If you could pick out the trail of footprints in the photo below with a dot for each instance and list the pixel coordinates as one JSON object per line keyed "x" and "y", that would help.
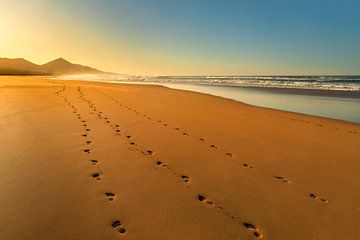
{"x": 184, "y": 133}
{"x": 211, "y": 146}
{"x": 312, "y": 123}
{"x": 280, "y": 179}
{"x": 181, "y": 177}
{"x": 96, "y": 175}
{"x": 186, "y": 179}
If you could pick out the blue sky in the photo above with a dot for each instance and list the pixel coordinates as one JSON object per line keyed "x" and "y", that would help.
{"x": 200, "y": 37}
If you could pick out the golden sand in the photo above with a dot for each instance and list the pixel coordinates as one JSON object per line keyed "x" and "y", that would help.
{"x": 84, "y": 160}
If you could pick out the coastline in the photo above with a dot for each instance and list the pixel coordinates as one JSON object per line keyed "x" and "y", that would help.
{"x": 334, "y": 104}
{"x": 158, "y": 150}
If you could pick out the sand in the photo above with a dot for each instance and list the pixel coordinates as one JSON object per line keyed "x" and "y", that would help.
{"x": 83, "y": 160}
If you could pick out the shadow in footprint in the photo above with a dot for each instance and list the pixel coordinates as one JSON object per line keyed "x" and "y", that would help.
{"x": 116, "y": 224}
{"x": 110, "y": 195}
{"x": 281, "y": 179}
{"x": 96, "y": 175}
{"x": 149, "y": 152}
{"x": 248, "y": 166}
{"x": 201, "y": 198}
{"x": 159, "y": 163}
{"x": 184, "y": 178}
{"x": 253, "y": 228}
{"x": 316, "y": 197}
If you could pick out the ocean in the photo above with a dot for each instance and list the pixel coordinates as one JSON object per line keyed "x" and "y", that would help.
{"x": 336, "y": 97}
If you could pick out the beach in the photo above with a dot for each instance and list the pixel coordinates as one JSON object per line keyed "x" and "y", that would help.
{"x": 87, "y": 160}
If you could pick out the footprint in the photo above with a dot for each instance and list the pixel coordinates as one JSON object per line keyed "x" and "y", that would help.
{"x": 229, "y": 154}
{"x": 213, "y": 146}
{"x": 253, "y": 228}
{"x": 86, "y": 150}
{"x": 185, "y": 178}
{"x": 201, "y": 198}
{"x": 316, "y": 197}
{"x": 88, "y": 142}
{"x": 250, "y": 226}
{"x": 159, "y": 163}
{"x": 149, "y": 152}
{"x": 93, "y": 162}
{"x": 110, "y": 195}
{"x": 88, "y": 130}
{"x": 122, "y": 230}
{"x": 282, "y": 179}
{"x": 117, "y": 131}
{"x": 116, "y": 224}
{"x": 248, "y": 166}
{"x": 201, "y": 139}
{"x": 96, "y": 175}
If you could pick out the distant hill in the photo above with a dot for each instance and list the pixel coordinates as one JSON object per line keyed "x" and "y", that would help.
{"x": 60, "y": 66}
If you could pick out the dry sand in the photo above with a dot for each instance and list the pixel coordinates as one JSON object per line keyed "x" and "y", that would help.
{"x": 75, "y": 157}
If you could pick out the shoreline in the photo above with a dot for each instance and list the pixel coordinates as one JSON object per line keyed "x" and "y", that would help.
{"x": 308, "y": 92}
{"x": 289, "y": 90}
{"x": 333, "y": 104}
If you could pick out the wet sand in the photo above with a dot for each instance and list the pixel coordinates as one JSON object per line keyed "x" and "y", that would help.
{"x": 84, "y": 160}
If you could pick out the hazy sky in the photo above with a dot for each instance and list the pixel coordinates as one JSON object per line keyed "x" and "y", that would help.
{"x": 177, "y": 37}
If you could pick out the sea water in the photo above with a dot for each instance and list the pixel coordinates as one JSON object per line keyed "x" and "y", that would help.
{"x": 260, "y": 91}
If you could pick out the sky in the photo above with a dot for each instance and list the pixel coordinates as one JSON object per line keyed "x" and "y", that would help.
{"x": 187, "y": 37}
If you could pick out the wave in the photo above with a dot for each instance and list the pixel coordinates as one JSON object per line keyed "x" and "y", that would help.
{"x": 342, "y": 83}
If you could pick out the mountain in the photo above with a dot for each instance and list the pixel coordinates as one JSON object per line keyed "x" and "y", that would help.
{"x": 60, "y": 66}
